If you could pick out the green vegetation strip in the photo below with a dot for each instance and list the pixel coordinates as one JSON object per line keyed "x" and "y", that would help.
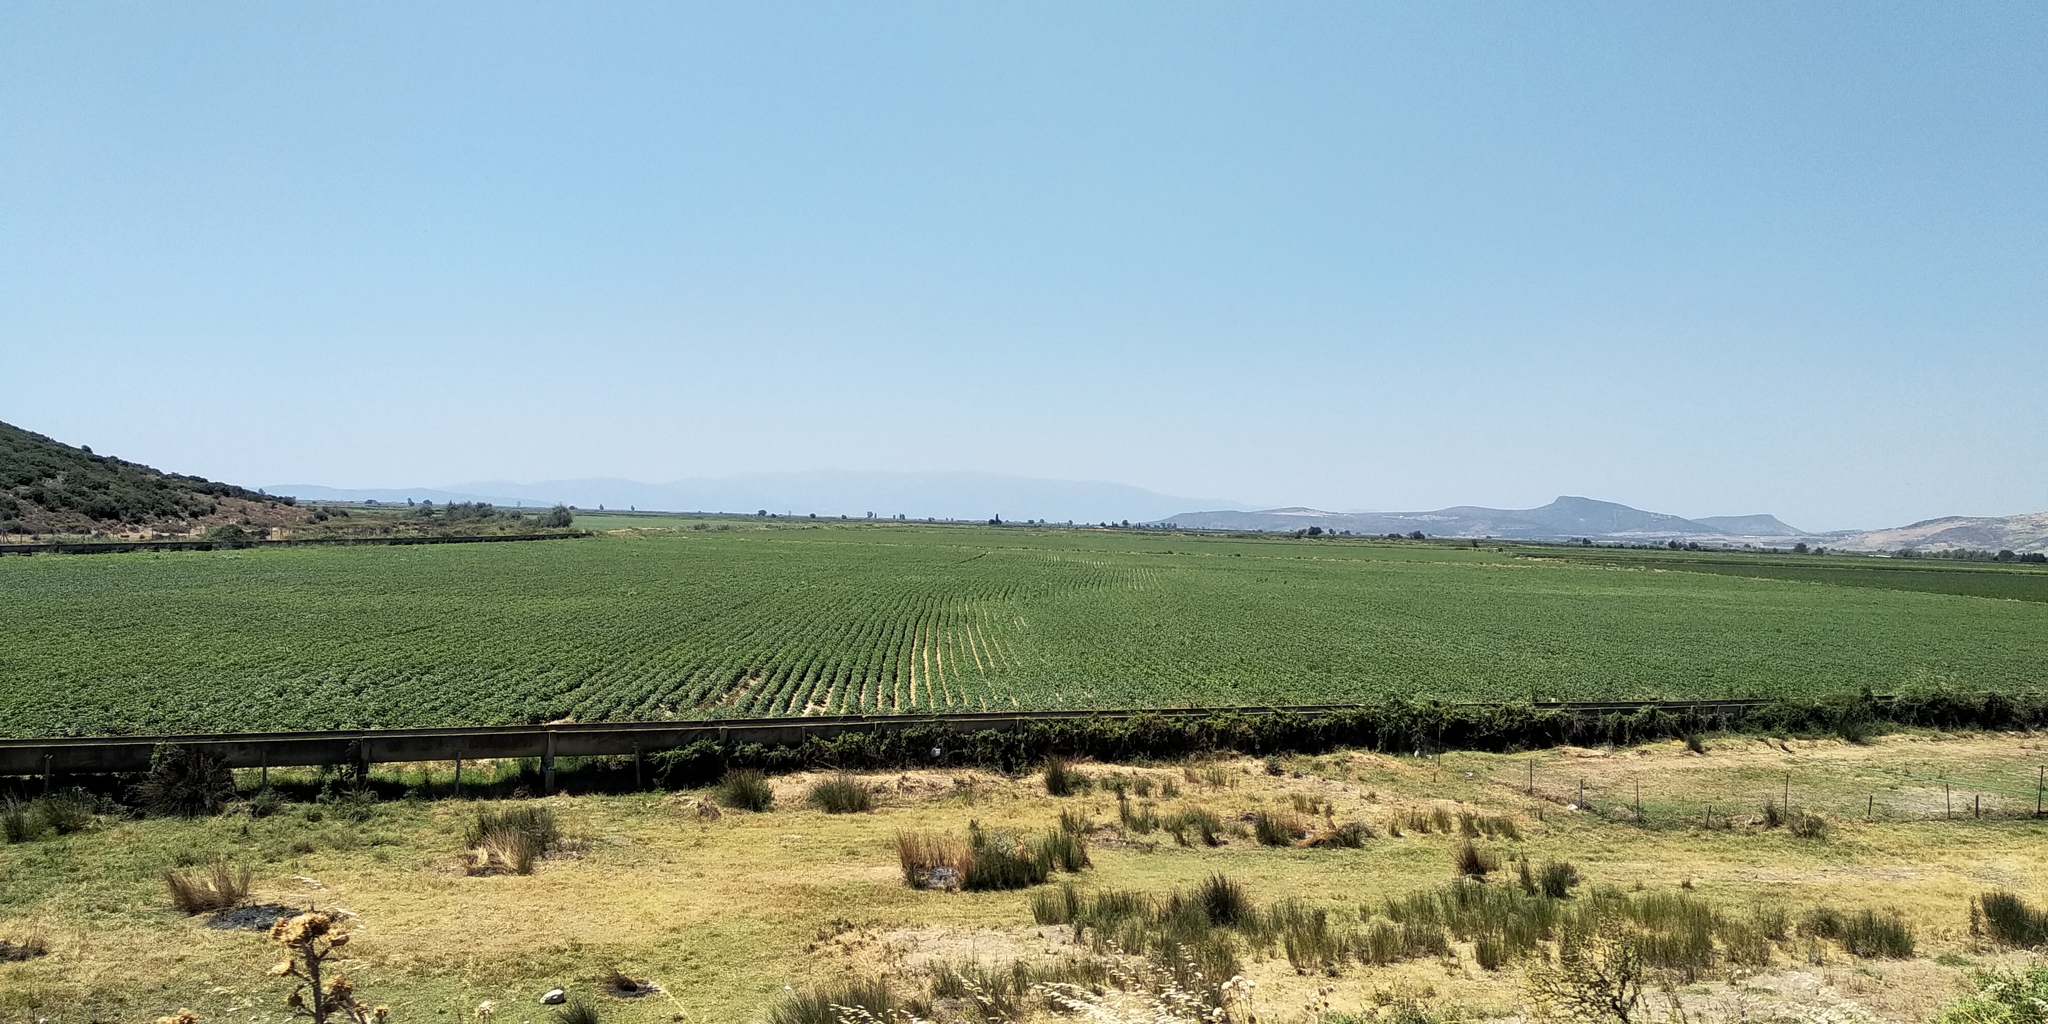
{"x": 752, "y": 618}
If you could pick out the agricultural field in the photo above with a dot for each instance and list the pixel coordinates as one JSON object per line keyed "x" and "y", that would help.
{"x": 1851, "y": 902}
{"x": 670, "y": 617}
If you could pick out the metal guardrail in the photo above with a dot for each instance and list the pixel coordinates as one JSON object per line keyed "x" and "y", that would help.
{"x": 84, "y": 755}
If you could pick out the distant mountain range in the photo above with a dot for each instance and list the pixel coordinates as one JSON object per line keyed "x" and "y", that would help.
{"x": 1572, "y": 517}
{"x": 974, "y": 496}
{"x": 47, "y": 486}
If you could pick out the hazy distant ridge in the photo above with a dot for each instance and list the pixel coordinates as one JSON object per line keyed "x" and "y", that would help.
{"x": 1567, "y": 517}
{"x": 916, "y": 495}
{"x": 1572, "y": 517}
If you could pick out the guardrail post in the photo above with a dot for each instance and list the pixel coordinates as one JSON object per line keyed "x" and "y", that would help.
{"x": 547, "y": 766}
{"x": 458, "y": 775}
{"x": 47, "y": 760}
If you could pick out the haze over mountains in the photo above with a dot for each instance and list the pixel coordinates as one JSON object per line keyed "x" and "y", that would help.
{"x": 1572, "y": 517}
{"x": 980, "y": 496}
{"x": 1567, "y": 517}
{"x": 977, "y": 496}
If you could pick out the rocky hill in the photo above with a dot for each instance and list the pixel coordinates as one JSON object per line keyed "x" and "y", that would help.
{"x": 2021, "y": 533}
{"x": 51, "y": 488}
{"x": 1567, "y": 517}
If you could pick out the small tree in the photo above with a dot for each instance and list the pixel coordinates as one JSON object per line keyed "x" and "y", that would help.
{"x": 310, "y": 940}
{"x": 559, "y": 516}
{"x": 186, "y": 781}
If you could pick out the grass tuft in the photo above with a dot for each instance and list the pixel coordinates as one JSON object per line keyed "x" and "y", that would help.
{"x": 1348, "y": 836}
{"x": 1808, "y": 825}
{"x": 197, "y": 892}
{"x": 57, "y": 814}
{"x": 931, "y": 861}
{"x": 745, "y": 789}
{"x": 1473, "y": 862}
{"x": 1223, "y": 901}
{"x": 1557, "y": 879}
{"x": 827, "y": 1004}
{"x": 1193, "y": 824}
{"x": 1063, "y": 779}
{"x": 842, "y": 794}
{"x": 577, "y": 1011}
{"x": 1055, "y": 906}
{"x": 1872, "y": 935}
{"x": 1277, "y": 828}
{"x": 510, "y": 839}
{"x": 2008, "y": 920}
{"x": 1066, "y": 851}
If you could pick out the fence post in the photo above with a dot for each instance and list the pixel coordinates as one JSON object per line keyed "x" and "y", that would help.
{"x": 1948, "y": 806}
{"x": 48, "y": 759}
{"x": 547, "y": 766}
{"x": 458, "y": 775}
{"x": 1870, "y": 807}
{"x": 1532, "y": 776}
{"x": 1582, "y": 793}
{"x": 637, "y": 786}
{"x": 2039, "y": 781}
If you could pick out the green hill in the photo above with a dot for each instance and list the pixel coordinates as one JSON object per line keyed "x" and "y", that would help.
{"x": 48, "y": 487}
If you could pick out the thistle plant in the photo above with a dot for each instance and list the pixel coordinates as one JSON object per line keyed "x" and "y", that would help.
{"x": 310, "y": 940}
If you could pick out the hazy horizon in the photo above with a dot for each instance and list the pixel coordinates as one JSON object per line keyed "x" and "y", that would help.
{"x": 1703, "y": 259}
{"x": 954, "y": 495}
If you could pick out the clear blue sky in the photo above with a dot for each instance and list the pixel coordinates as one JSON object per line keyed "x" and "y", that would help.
{"x": 1709, "y": 259}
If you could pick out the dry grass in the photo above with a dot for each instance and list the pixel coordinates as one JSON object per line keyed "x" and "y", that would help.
{"x": 721, "y": 913}
{"x": 931, "y": 861}
{"x": 222, "y": 886}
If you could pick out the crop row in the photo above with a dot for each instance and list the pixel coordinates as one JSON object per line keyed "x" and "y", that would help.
{"x": 893, "y": 619}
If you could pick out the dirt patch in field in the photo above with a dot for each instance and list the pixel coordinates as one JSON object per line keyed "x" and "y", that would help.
{"x": 254, "y": 918}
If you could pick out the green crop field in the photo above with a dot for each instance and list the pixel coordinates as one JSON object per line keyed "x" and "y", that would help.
{"x": 688, "y": 618}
